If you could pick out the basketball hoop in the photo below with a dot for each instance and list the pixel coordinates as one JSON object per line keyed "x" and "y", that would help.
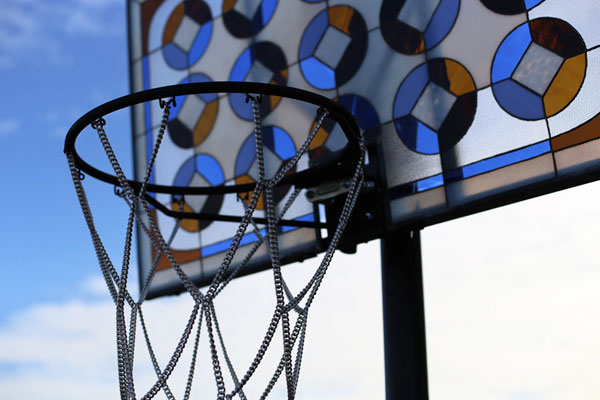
{"x": 139, "y": 198}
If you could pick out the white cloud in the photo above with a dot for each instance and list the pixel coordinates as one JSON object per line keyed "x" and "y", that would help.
{"x": 94, "y": 285}
{"x": 32, "y": 31}
{"x": 9, "y": 126}
{"x": 66, "y": 350}
{"x": 512, "y": 301}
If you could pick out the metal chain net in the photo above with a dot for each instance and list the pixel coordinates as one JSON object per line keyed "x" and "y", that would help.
{"x": 203, "y": 315}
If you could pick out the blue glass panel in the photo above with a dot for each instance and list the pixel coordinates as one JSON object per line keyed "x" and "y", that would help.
{"x": 251, "y": 237}
{"x": 267, "y": 8}
{"x": 224, "y": 245}
{"x": 185, "y": 173}
{"x": 175, "y": 56}
{"x": 318, "y": 74}
{"x": 246, "y": 156}
{"x": 506, "y": 159}
{"x": 518, "y": 101}
{"x": 147, "y": 108}
{"x": 269, "y": 137}
{"x": 146, "y": 74}
{"x": 307, "y": 217}
{"x": 149, "y": 149}
{"x": 407, "y": 130}
{"x": 441, "y": 22}
{"x": 362, "y": 110}
{"x": 312, "y": 35}
{"x": 410, "y": 90}
{"x": 242, "y": 66}
{"x": 283, "y": 144}
{"x": 510, "y": 52}
{"x": 201, "y": 42}
{"x": 198, "y": 78}
{"x": 532, "y": 3}
{"x": 430, "y": 183}
{"x": 239, "y": 105}
{"x": 215, "y": 248}
{"x": 210, "y": 169}
{"x": 427, "y": 140}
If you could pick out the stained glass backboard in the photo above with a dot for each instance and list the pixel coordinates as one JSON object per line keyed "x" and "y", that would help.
{"x": 467, "y": 104}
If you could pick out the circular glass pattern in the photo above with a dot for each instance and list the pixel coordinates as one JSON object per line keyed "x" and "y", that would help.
{"x": 539, "y": 68}
{"x": 246, "y": 18}
{"x": 330, "y": 137}
{"x": 199, "y": 170}
{"x": 261, "y": 62}
{"x": 409, "y": 27}
{"x": 510, "y": 7}
{"x": 193, "y": 117}
{"x": 333, "y": 47}
{"x": 278, "y": 147}
{"x": 187, "y": 33}
{"x": 435, "y": 106}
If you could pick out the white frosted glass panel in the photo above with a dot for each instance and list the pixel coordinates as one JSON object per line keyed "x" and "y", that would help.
{"x": 415, "y": 205}
{"x": 170, "y": 159}
{"x": 141, "y": 158}
{"x": 159, "y": 19}
{"x": 495, "y": 132}
{"x": 197, "y": 202}
{"x": 287, "y": 32}
{"x": 272, "y": 164}
{"x": 507, "y": 178}
{"x": 433, "y": 106}
{"x": 417, "y": 13}
{"x": 404, "y": 165}
{"x": 226, "y": 138}
{"x": 332, "y": 46}
{"x": 186, "y": 33}
{"x": 218, "y": 231}
{"x": 578, "y": 157}
{"x": 299, "y": 208}
{"x": 475, "y": 37}
{"x": 135, "y": 31}
{"x": 537, "y": 68}
{"x": 259, "y": 73}
{"x": 167, "y": 276}
{"x": 216, "y": 7}
{"x": 221, "y": 53}
{"x": 380, "y": 75}
{"x": 161, "y": 74}
{"x": 247, "y": 8}
{"x": 294, "y": 117}
{"x": 336, "y": 139}
{"x": 190, "y": 111}
{"x": 297, "y": 238}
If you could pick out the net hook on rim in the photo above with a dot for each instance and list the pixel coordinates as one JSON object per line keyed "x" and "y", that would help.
{"x": 98, "y": 123}
{"x": 164, "y": 103}
{"x": 258, "y": 98}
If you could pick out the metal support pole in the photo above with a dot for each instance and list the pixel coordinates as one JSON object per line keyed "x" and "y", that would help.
{"x": 403, "y": 316}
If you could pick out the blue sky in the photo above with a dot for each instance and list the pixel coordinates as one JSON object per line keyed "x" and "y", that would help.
{"x": 511, "y": 294}
{"x": 57, "y": 60}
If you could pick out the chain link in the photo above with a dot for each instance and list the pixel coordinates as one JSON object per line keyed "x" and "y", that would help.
{"x": 204, "y": 309}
